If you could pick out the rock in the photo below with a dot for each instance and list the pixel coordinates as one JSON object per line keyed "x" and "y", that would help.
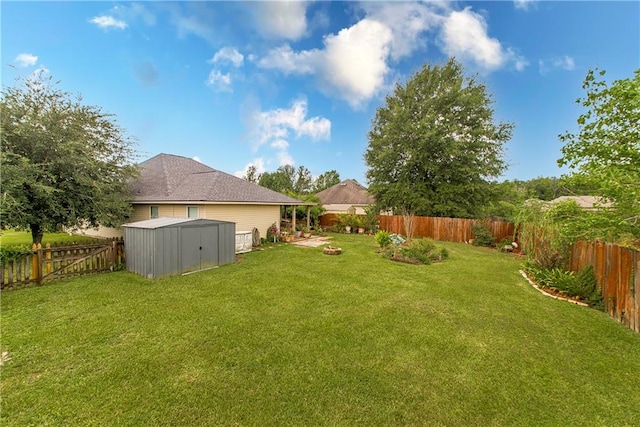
{"x": 507, "y": 248}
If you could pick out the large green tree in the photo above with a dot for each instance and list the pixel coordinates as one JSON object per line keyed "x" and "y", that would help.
{"x": 64, "y": 164}
{"x": 326, "y": 180}
{"x": 434, "y": 146}
{"x": 606, "y": 151}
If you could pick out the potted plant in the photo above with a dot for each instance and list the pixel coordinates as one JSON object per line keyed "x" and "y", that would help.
{"x": 306, "y": 233}
{"x": 360, "y": 224}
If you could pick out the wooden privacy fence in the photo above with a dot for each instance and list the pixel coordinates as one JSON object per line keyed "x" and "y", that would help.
{"x": 445, "y": 229}
{"x": 618, "y": 272}
{"x": 53, "y": 262}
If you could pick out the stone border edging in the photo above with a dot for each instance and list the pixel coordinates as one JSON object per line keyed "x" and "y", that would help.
{"x": 532, "y": 283}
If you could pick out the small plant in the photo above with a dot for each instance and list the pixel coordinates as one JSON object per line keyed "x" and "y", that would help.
{"x": 482, "y": 236}
{"x": 383, "y": 239}
{"x": 272, "y": 233}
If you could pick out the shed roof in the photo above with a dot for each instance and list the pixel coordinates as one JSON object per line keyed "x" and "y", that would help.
{"x": 167, "y": 222}
{"x": 170, "y": 178}
{"x": 348, "y": 192}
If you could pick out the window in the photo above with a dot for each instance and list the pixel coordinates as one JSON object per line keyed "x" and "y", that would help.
{"x": 153, "y": 212}
{"x": 192, "y": 212}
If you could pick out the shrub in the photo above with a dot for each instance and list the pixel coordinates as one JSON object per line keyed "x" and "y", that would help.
{"x": 14, "y": 252}
{"x": 419, "y": 251}
{"x": 272, "y": 233}
{"x": 383, "y": 238}
{"x": 582, "y": 285}
{"x": 482, "y": 236}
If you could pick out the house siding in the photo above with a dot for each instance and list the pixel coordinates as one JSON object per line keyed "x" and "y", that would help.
{"x": 246, "y": 217}
{"x": 343, "y": 208}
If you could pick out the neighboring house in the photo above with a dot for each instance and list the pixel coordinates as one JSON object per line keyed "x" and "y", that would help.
{"x": 179, "y": 187}
{"x": 585, "y": 202}
{"x": 342, "y": 196}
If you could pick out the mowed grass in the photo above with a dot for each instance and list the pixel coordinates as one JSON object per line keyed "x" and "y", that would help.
{"x": 14, "y": 237}
{"x": 289, "y": 336}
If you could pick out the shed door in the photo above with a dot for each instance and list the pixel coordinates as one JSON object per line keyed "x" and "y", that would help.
{"x": 199, "y": 248}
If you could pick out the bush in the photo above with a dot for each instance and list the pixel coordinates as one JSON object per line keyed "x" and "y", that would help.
{"x": 419, "y": 251}
{"x": 14, "y": 252}
{"x": 582, "y": 285}
{"x": 272, "y": 233}
{"x": 383, "y": 239}
{"x": 482, "y": 236}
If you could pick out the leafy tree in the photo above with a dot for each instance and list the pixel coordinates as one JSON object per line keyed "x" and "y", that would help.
{"x": 281, "y": 180}
{"x": 64, "y": 164}
{"x": 434, "y": 146}
{"x": 606, "y": 150}
{"x": 252, "y": 174}
{"x": 303, "y": 181}
{"x": 326, "y": 180}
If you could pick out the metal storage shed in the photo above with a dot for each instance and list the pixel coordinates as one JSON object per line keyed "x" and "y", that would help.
{"x": 170, "y": 246}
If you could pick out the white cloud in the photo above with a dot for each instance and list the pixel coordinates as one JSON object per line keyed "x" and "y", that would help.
{"x": 352, "y": 64}
{"x": 281, "y": 19}
{"x": 519, "y": 61}
{"x": 257, "y": 163}
{"x": 565, "y": 63}
{"x": 408, "y": 22}
{"x": 284, "y": 158}
{"x": 274, "y": 128}
{"x": 219, "y": 82}
{"x": 279, "y": 144}
{"x": 523, "y": 4}
{"x": 228, "y": 55}
{"x": 283, "y": 58}
{"x": 197, "y": 159}
{"x": 106, "y": 22}
{"x": 275, "y": 125}
{"x": 26, "y": 60}
{"x": 464, "y": 35}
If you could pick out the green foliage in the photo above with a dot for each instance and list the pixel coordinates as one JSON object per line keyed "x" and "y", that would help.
{"x": 14, "y": 252}
{"x": 382, "y": 238}
{"x": 282, "y": 180}
{"x": 370, "y": 220}
{"x": 64, "y": 164}
{"x": 434, "y": 145}
{"x": 326, "y": 180}
{"x": 273, "y": 234}
{"x": 606, "y": 151}
{"x": 482, "y": 236}
{"x": 583, "y": 285}
{"x": 546, "y": 233}
{"x": 419, "y": 251}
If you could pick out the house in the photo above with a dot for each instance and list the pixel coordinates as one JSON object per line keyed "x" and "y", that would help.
{"x": 179, "y": 187}
{"x": 588, "y": 203}
{"x": 342, "y": 196}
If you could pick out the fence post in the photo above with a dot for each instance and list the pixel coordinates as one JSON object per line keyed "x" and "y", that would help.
{"x": 114, "y": 254}
{"x": 36, "y": 263}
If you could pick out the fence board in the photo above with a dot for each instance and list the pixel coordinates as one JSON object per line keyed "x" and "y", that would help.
{"x": 445, "y": 229}
{"x": 618, "y": 272}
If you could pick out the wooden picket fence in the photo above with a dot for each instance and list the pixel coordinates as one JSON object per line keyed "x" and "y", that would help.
{"x": 48, "y": 263}
{"x": 618, "y": 272}
{"x": 444, "y": 229}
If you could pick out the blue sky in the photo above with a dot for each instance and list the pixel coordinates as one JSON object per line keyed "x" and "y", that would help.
{"x": 268, "y": 83}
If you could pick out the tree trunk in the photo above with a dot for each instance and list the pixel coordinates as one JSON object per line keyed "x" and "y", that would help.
{"x": 36, "y": 233}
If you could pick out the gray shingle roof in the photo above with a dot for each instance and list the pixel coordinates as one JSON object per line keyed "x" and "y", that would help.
{"x": 169, "y": 178}
{"x": 347, "y": 192}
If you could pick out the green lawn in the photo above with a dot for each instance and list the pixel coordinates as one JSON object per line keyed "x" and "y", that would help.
{"x": 289, "y": 336}
{"x": 12, "y": 237}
